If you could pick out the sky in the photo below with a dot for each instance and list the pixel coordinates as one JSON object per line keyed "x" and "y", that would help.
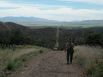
{"x": 60, "y": 10}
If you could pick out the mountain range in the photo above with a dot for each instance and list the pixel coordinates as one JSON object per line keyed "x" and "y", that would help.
{"x": 34, "y": 21}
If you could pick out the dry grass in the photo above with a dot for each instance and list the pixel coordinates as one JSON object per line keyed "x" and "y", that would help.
{"x": 91, "y": 58}
{"x": 11, "y": 59}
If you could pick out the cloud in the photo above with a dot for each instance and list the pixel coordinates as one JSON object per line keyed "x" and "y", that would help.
{"x": 7, "y": 4}
{"x": 85, "y": 1}
{"x": 3, "y": 8}
{"x": 60, "y": 13}
{"x": 69, "y": 14}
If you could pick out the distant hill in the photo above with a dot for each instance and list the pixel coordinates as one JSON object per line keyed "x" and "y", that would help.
{"x": 30, "y": 21}
{"x": 12, "y": 25}
{"x": 34, "y": 21}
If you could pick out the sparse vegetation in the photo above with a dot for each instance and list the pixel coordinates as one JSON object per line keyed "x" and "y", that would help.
{"x": 10, "y": 60}
{"x": 41, "y": 51}
{"x": 91, "y": 58}
{"x": 12, "y": 65}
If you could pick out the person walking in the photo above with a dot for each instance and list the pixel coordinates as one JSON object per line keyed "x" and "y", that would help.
{"x": 70, "y": 51}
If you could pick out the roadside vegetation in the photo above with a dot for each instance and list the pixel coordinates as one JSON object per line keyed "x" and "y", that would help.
{"x": 91, "y": 59}
{"x": 11, "y": 60}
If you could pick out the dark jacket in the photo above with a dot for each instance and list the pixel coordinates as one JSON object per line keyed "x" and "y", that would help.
{"x": 70, "y": 48}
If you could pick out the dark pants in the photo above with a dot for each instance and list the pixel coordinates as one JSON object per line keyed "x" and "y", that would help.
{"x": 69, "y": 57}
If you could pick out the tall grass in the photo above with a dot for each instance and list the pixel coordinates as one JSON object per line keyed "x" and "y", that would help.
{"x": 10, "y": 60}
{"x": 91, "y": 58}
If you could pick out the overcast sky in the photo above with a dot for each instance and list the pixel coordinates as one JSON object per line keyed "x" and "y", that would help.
{"x": 61, "y": 10}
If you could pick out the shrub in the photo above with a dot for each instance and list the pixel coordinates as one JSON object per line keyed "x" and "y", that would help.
{"x": 12, "y": 65}
{"x": 91, "y": 58}
{"x": 41, "y": 51}
{"x": 98, "y": 70}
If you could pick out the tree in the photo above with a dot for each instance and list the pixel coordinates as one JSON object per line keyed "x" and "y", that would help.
{"x": 95, "y": 39}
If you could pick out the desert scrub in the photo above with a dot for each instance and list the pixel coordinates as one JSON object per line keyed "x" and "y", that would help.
{"x": 90, "y": 58}
{"x": 12, "y": 60}
{"x": 98, "y": 71}
{"x": 81, "y": 61}
{"x": 98, "y": 67}
{"x": 13, "y": 64}
{"x": 41, "y": 51}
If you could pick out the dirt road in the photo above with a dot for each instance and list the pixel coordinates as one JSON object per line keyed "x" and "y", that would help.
{"x": 51, "y": 64}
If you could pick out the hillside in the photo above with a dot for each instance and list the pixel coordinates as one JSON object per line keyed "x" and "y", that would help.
{"x": 2, "y": 26}
{"x": 12, "y": 25}
{"x": 12, "y": 33}
{"x": 46, "y": 36}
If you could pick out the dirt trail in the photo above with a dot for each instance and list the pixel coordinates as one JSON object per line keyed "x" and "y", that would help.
{"x": 51, "y": 64}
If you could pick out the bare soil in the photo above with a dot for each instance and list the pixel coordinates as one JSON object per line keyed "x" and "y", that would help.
{"x": 51, "y": 64}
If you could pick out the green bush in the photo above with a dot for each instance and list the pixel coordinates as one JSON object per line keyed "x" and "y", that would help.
{"x": 91, "y": 59}
{"x": 41, "y": 51}
{"x": 98, "y": 71}
{"x": 12, "y": 65}
{"x": 95, "y": 69}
